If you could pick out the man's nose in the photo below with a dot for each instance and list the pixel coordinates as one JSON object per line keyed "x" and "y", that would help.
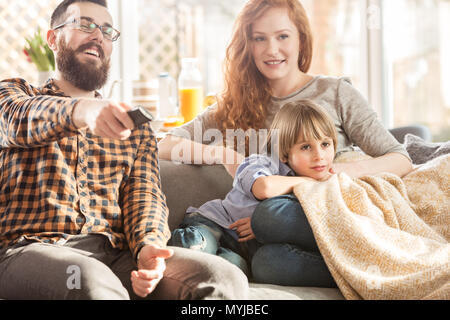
{"x": 97, "y": 35}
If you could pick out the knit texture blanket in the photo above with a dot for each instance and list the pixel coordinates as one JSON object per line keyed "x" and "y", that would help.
{"x": 383, "y": 237}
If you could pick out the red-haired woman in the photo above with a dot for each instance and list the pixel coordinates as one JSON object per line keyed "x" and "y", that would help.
{"x": 266, "y": 66}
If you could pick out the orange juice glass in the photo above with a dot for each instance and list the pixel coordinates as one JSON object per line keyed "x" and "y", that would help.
{"x": 191, "y": 102}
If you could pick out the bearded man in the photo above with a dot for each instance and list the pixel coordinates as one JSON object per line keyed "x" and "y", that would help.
{"x": 82, "y": 214}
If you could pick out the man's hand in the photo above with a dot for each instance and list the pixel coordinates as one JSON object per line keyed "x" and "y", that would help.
{"x": 105, "y": 118}
{"x": 243, "y": 228}
{"x": 151, "y": 266}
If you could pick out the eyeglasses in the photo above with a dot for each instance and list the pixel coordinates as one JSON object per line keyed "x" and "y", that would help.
{"x": 88, "y": 26}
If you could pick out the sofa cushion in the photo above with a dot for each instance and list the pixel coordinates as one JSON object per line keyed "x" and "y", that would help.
{"x": 191, "y": 185}
{"x": 417, "y": 130}
{"x": 422, "y": 151}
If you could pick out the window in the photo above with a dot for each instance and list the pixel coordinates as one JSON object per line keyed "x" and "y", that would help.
{"x": 336, "y": 26}
{"x": 20, "y": 19}
{"x": 395, "y": 52}
{"x": 170, "y": 30}
{"x": 417, "y": 50}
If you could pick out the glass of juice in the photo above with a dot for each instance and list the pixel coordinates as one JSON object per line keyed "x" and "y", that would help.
{"x": 190, "y": 88}
{"x": 191, "y": 102}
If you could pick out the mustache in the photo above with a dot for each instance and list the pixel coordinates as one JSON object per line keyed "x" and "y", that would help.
{"x": 89, "y": 45}
{"x": 82, "y": 75}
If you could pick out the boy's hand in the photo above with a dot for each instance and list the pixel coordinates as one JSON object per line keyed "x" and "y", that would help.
{"x": 329, "y": 174}
{"x": 244, "y": 229}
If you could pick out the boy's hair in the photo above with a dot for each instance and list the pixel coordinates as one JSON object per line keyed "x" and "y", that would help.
{"x": 301, "y": 119}
{"x": 59, "y": 13}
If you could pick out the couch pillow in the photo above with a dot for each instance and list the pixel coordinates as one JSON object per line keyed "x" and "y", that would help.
{"x": 421, "y": 151}
{"x": 191, "y": 185}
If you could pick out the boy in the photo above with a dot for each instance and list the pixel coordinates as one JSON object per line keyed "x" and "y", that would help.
{"x": 306, "y": 139}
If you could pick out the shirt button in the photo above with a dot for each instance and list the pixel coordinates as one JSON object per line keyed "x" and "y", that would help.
{"x": 83, "y": 209}
{"x": 81, "y": 220}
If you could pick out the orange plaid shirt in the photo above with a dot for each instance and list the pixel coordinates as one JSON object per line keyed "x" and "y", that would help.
{"x": 57, "y": 181}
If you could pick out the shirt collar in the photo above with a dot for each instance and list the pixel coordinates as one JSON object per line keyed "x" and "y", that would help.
{"x": 50, "y": 88}
{"x": 285, "y": 170}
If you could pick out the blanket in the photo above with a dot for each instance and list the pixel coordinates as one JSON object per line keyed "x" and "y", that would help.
{"x": 383, "y": 237}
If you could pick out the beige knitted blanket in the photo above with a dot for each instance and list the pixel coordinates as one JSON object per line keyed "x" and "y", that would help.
{"x": 383, "y": 237}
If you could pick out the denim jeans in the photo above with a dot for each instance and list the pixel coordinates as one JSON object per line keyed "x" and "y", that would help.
{"x": 200, "y": 233}
{"x": 289, "y": 254}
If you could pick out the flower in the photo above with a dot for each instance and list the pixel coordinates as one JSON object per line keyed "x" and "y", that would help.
{"x": 38, "y": 52}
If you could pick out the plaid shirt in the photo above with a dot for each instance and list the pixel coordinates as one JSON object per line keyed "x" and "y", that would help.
{"x": 57, "y": 181}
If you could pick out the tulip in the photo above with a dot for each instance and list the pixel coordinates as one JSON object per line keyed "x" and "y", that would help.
{"x": 28, "y": 55}
{"x": 38, "y": 52}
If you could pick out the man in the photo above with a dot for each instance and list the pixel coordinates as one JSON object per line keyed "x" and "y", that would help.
{"x": 82, "y": 215}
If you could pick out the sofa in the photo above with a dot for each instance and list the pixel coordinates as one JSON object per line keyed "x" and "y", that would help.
{"x": 192, "y": 185}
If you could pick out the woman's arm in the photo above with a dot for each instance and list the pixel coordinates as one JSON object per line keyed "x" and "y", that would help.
{"x": 363, "y": 128}
{"x": 395, "y": 163}
{"x": 187, "y": 151}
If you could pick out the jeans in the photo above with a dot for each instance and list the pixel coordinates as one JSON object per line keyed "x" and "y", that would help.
{"x": 200, "y": 233}
{"x": 88, "y": 267}
{"x": 289, "y": 254}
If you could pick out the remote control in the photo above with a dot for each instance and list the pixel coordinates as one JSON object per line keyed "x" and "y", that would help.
{"x": 140, "y": 116}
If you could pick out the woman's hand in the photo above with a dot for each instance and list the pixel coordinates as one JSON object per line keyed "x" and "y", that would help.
{"x": 350, "y": 168}
{"x": 236, "y": 160}
{"x": 231, "y": 169}
{"x": 244, "y": 229}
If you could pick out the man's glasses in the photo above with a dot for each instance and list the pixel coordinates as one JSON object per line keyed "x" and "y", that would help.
{"x": 88, "y": 26}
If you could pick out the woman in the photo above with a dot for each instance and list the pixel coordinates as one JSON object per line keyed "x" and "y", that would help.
{"x": 266, "y": 67}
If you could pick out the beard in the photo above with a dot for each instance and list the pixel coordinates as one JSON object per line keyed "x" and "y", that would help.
{"x": 85, "y": 76}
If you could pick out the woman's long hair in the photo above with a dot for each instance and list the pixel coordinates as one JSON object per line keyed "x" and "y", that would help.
{"x": 247, "y": 94}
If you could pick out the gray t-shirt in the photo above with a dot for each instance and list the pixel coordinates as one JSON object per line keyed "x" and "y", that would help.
{"x": 356, "y": 122}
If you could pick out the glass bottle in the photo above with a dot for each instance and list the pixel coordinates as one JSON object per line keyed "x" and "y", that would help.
{"x": 167, "y": 96}
{"x": 190, "y": 88}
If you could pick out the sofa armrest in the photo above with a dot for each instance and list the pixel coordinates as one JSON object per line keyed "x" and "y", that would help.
{"x": 191, "y": 185}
